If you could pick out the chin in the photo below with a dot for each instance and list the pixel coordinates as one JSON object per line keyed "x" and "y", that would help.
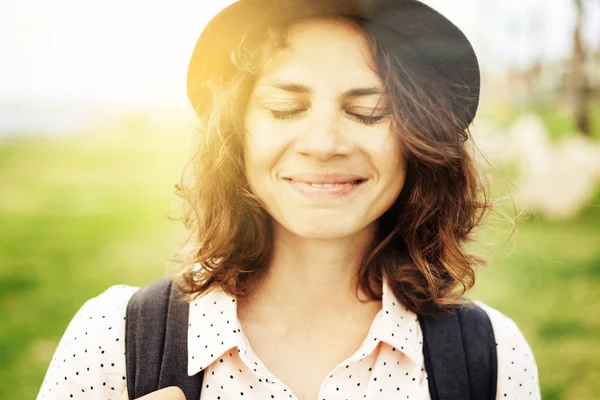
{"x": 322, "y": 229}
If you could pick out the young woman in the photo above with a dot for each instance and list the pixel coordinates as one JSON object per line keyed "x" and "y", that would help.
{"x": 327, "y": 206}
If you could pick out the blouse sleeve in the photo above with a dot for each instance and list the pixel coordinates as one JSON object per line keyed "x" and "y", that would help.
{"x": 517, "y": 369}
{"x": 89, "y": 362}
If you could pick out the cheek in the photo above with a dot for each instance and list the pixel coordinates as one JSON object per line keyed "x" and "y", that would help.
{"x": 391, "y": 164}
{"x": 387, "y": 152}
{"x": 262, "y": 146}
{"x": 260, "y": 133}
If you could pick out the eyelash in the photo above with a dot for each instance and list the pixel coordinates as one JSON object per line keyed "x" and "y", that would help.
{"x": 283, "y": 115}
{"x": 366, "y": 120}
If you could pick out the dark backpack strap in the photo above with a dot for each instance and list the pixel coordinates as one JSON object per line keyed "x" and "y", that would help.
{"x": 156, "y": 342}
{"x": 480, "y": 351}
{"x": 459, "y": 349}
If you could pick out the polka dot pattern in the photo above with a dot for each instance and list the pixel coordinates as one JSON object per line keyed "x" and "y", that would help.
{"x": 89, "y": 362}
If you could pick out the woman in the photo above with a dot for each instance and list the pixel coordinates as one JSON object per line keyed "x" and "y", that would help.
{"x": 328, "y": 205}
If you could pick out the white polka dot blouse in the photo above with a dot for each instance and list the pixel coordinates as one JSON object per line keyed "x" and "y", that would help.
{"x": 89, "y": 362}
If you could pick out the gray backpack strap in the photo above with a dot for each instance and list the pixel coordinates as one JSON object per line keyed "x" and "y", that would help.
{"x": 460, "y": 355}
{"x": 156, "y": 342}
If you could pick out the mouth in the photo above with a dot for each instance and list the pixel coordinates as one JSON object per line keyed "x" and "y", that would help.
{"x": 327, "y": 184}
{"x": 325, "y": 191}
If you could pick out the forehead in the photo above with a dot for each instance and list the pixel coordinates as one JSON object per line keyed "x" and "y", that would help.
{"x": 323, "y": 52}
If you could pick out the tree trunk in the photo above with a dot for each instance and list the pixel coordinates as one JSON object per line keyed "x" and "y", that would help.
{"x": 581, "y": 93}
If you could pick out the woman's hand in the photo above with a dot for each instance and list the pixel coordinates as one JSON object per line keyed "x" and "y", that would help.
{"x": 169, "y": 393}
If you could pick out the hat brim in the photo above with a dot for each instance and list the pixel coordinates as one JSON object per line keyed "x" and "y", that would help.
{"x": 428, "y": 34}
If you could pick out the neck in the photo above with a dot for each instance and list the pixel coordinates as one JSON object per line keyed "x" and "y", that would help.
{"x": 319, "y": 275}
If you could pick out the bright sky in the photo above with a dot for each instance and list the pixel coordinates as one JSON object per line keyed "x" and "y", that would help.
{"x": 134, "y": 53}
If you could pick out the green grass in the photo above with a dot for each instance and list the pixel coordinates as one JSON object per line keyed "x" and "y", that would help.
{"x": 546, "y": 279}
{"x": 82, "y": 214}
{"x": 77, "y": 216}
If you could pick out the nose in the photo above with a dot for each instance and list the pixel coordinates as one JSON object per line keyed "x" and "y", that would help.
{"x": 323, "y": 137}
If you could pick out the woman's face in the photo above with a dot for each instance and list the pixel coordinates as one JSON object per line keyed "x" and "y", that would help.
{"x": 319, "y": 113}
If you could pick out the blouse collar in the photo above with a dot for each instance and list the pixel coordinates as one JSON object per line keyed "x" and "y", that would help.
{"x": 214, "y": 328}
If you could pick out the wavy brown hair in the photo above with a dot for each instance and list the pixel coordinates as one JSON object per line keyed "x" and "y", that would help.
{"x": 420, "y": 242}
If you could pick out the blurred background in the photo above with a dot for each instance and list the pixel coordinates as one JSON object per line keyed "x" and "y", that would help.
{"x": 95, "y": 129}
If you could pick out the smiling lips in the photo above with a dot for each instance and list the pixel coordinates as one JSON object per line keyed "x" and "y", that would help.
{"x": 328, "y": 179}
{"x": 325, "y": 187}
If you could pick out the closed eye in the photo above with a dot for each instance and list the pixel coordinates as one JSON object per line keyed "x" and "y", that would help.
{"x": 285, "y": 114}
{"x": 367, "y": 119}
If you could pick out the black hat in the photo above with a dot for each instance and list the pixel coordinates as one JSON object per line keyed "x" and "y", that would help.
{"x": 421, "y": 30}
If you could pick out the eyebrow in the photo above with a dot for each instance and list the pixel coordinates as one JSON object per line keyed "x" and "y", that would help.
{"x": 302, "y": 89}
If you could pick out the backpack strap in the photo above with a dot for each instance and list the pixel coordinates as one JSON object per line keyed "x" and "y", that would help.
{"x": 156, "y": 342}
{"x": 459, "y": 349}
